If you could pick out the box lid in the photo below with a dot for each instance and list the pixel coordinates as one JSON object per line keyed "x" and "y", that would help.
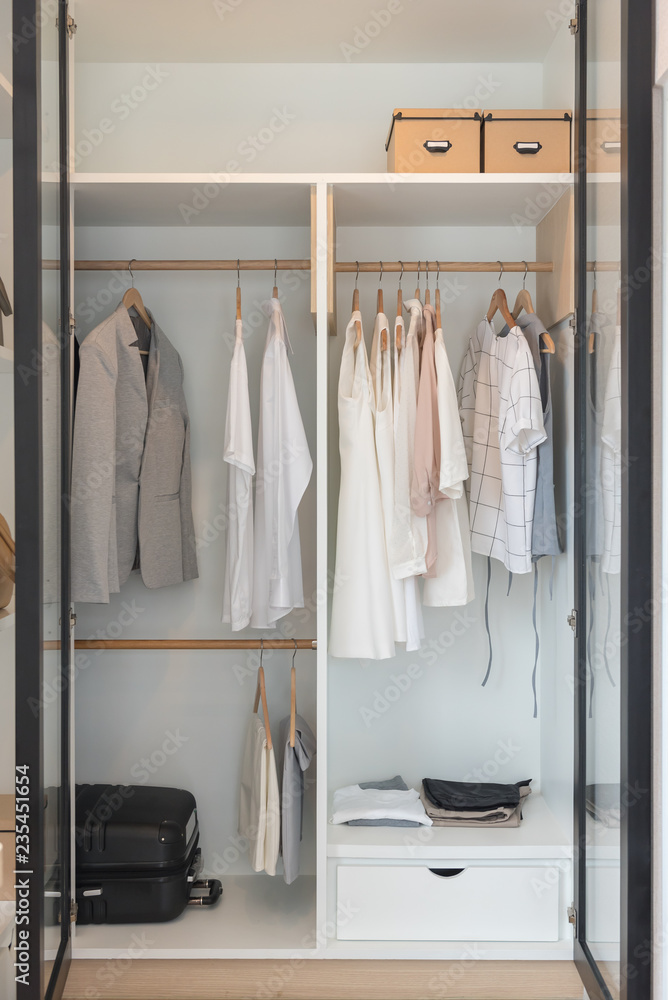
{"x": 536, "y": 114}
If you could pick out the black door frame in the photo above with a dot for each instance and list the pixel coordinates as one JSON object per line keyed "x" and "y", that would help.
{"x": 40, "y": 981}
{"x": 637, "y": 608}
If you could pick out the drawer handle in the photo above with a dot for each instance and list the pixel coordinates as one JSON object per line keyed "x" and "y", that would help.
{"x": 437, "y": 145}
{"x": 611, "y": 147}
{"x": 447, "y": 872}
{"x": 527, "y": 147}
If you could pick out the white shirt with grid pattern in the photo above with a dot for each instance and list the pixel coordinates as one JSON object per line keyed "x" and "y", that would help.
{"x": 502, "y": 421}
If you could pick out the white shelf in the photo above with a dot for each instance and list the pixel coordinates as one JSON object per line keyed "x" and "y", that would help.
{"x": 284, "y": 199}
{"x": 6, "y": 361}
{"x": 307, "y": 32}
{"x": 8, "y": 617}
{"x": 539, "y": 836}
{"x": 258, "y": 915}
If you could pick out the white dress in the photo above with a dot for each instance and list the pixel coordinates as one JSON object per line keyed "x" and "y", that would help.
{"x": 284, "y": 469}
{"x": 238, "y": 454}
{"x": 408, "y": 545}
{"x": 453, "y": 584}
{"x": 412, "y": 603}
{"x": 259, "y": 803}
{"x": 381, "y": 374}
{"x": 362, "y": 619}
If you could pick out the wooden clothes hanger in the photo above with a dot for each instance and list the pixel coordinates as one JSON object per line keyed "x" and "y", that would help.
{"x": 380, "y": 308}
{"x": 427, "y": 293}
{"x": 400, "y": 309}
{"x": 238, "y": 291}
{"x": 356, "y": 307}
{"x": 499, "y": 303}
{"x": 132, "y": 298}
{"x": 523, "y": 301}
{"x": 261, "y": 693}
{"x": 417, "y": 289}
{"x": 437, "y": 298}
{"x": 293, "y": 700}
{"x": 274, "y": 291}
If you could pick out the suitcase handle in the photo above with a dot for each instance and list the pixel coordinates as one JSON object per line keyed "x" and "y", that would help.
{"x": 527, "y": 147}
{"x": 196, "y": 866}
{"x": 215, "y": 888}
{"x": 437, "y": 145}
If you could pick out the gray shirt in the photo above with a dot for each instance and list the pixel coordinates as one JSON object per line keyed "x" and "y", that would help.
{"x": 291, "y": 769}
{"x": 545, "y": 539}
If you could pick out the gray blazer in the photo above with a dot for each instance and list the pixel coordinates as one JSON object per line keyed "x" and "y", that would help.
{"x": 131, "y": 484}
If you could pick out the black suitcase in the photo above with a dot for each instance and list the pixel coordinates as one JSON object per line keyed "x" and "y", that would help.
{"x": 137, "y": 855}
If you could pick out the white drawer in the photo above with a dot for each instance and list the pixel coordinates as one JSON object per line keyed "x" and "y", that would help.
{"x": 412, "y": 903}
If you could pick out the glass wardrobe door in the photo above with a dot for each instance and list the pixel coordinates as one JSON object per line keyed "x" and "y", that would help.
{"x": 603, "y": 423}
{"x": 614, "y": 477}
{"x": 42, "y": 411}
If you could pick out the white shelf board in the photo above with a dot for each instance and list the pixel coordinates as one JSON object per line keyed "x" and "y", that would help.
{"x": 6, "y": 361}
{"x": 302, "y": 31}
{"x": 538, "y": 837}
{"x": 8, "y": 617}
{"x": 258, "y": 915}
{"x": 371, "y": 199}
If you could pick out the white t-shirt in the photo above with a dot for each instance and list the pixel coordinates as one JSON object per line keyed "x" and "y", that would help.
{"x": 502, "y": 421}
{"x": 238, "y": 454}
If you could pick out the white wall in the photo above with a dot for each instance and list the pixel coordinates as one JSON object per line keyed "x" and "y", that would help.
{"x": 200, "y": 117}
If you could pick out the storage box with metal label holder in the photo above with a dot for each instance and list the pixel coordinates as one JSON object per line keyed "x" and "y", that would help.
{"x": 434, "y": 141}
{"x": 604, "y": 140}
{"x": 527, "y": 142}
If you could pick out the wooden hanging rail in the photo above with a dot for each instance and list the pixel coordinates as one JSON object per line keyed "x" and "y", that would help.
{"x": 342, "y": 267}
{"x": 195, "y": 644}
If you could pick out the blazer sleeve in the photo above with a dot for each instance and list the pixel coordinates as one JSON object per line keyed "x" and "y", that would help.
{"x": 93, "y": 476}
{"x": 188, "y": 540}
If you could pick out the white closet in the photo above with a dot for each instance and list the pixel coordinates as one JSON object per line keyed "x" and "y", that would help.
{"x": 217, "y": 131}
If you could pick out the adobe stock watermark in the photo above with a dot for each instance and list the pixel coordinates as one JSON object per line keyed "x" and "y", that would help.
{"x": 120, "y": 109}
{"x": 402, "y": 682}
{"x": 247, "y": 151}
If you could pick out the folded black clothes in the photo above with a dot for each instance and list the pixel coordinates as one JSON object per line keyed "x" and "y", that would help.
{"x": 464, "y": 796}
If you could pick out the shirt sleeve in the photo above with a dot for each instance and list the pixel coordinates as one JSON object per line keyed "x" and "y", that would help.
{"x": 523, "y": 428}
{"x": 466, "y": 398}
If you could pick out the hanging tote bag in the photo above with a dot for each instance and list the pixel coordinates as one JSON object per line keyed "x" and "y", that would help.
{"x": 7, "y": 563}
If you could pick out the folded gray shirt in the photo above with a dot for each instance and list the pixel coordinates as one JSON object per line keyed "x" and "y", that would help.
{"x": 390, "y": 784}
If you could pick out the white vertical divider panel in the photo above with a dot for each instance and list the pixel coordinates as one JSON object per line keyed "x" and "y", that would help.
{"x": 320, "y": 261}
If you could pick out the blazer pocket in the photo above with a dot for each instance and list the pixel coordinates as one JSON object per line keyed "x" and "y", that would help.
{"x": 162, "y": 497}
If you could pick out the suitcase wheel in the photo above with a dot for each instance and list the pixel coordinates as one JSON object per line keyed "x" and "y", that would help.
{"x": 214, "y": 890}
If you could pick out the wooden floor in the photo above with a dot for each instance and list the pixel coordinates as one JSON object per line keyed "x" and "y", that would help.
{"x": 298, "y": 979}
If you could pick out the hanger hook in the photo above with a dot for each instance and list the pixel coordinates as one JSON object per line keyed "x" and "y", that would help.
{"x": 426, "y": 269}
{"x": 275, "y": 268}
{"x": 238, "y": 273}
{"x": 594, "y": 274}
{"x": 357, "y": 273}
{"x": 381, "y": 272}
{"x": 418, "y": 277}
{"x": 526, "y": 271}
{"x": 402, "y": 272}
{"x": 132, "y": 277}
{"x": 261, "y": 652}
{"x": 295, "y": 652}
{"x": 438, "y": 271}
{"x": 500, "y": 263}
